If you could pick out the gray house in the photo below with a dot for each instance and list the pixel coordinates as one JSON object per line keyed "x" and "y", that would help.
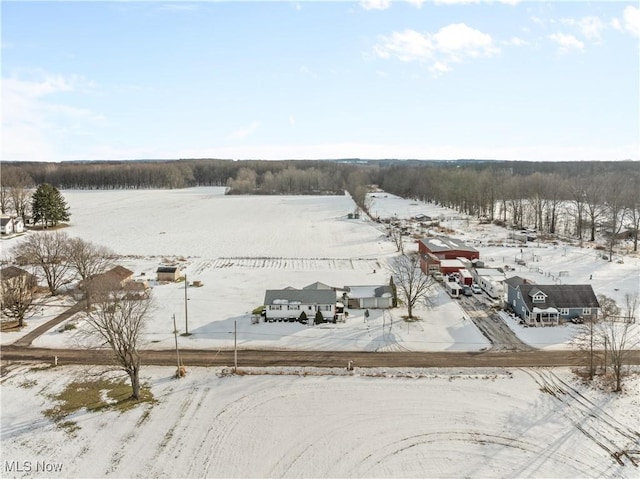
{"x": 548, "y": 304}
{"x": 285, "y": 304}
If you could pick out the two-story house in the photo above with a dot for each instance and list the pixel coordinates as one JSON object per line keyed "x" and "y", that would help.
{"x": 549, "y": 304}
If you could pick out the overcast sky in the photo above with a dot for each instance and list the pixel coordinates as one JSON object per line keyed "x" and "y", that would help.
{"x": 444, "y": 79}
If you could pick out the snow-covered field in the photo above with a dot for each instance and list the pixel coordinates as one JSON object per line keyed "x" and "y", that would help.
{"x": 487, "y": 423}
{"x": 312, "y": 422}
{"x": 240, "y": 246}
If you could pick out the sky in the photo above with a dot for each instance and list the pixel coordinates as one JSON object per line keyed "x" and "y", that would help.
{"x": 441, "y": 79}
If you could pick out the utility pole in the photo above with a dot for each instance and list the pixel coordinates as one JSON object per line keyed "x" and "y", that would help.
{"x": 235, "y": 347}
{"x": 175, "y": 336}
{"x": 186, "y": 312}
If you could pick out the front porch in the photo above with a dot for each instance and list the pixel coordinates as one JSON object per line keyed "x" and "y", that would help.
{"x": 543, "y": 317}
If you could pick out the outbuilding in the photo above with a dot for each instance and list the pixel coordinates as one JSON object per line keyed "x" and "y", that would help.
{"x": 168, "y": 273}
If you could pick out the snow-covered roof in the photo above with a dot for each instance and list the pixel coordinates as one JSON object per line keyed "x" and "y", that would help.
{"x": 299, "y": 296}
{"x": 374, "y": 291}
{"x": 445, "y": 243}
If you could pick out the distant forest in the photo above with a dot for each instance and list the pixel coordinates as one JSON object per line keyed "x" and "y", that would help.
{"x": 509, "y": 192}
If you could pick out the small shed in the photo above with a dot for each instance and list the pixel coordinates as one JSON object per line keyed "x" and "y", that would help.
{"x": 168, "y": 273}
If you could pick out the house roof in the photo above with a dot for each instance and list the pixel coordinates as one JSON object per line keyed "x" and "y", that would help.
{"x": 5, "y": 220}
{"x": 318, "y": 285}
{"x": 373, "y": 291}
{"x": 167, "y": 269}
{"x": 441, "y": 244}
{"x": 13, "y": 272}
{"x": 120, "y": 273}
{"x": 516, "y": 281}
{"x": 300, "y": 296}
{"x": 560, "y": 296}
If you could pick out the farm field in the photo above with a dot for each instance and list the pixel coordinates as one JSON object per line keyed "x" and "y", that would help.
{"x": 286, "y": 422}
{"x": 327, "y": 423}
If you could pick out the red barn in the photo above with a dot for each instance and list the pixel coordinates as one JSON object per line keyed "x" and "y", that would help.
{"x": 434, "y": 250}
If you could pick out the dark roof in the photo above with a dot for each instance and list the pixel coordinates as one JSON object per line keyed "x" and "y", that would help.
{"x": 4, "y": 220}
{"x": 167, "y": 269}
{"x": 516, "y": 281}
{"x": 441, "y": 244}
{"x": 561, "y": 296}
{"x": 304, "y": 296}
{"x": 318, "y": 285}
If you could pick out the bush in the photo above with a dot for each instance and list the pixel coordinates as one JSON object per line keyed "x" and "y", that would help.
{"x": 303, "y": 318}
{"x": 319, "y": 318}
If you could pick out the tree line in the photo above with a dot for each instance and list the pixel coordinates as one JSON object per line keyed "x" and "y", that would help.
{"x": 572, "y": 199}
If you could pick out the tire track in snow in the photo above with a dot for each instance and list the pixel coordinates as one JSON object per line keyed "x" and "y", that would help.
{"x": 177, "y": 431}
{"x": 617, "y": 439}
{"x": 442, "y": 438}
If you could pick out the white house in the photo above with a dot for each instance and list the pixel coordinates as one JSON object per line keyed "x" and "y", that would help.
{"x": 11, "y": 224}
{"x": 289, "y": 304}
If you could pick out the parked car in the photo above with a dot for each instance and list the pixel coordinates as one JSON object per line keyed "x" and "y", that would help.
{"x": 466, "y": 290}
{"x": 475, "y": 288}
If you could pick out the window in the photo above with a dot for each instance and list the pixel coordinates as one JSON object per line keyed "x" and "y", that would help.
{"x": 518, "y": 294}
{"x": 564, "y": 311}
{"x": 538, "y": 298}
{"x": 586, "y": 310}
{"x": 324, "y": 307}
{"x": 275, "y": 307}
{"x": 294, "y": 307}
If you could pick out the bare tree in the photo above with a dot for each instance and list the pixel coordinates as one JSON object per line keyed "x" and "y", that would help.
{"x": 118, "y": 320}
{"x": 46, "y": 252}
{"x": 615, "y": 208}
{"x": 17, "y": 294}
{"x": 87, "y": 260}
{"x": 411, "y": 283}
{"x": 619, "y": 337}
{"x": 395, "y": 233}
{"x": 588, "y": 340}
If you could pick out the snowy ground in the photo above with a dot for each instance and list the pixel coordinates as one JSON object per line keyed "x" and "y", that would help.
{"x": 240, "y": 246}
{"x": 311, "y": 422}
{"x": 491, "y": 423}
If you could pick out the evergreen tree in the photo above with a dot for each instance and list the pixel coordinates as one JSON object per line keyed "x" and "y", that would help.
{"x": 49, "y": 206}
{"x": 394, "y": 293}
{"x": 319, "y": 319}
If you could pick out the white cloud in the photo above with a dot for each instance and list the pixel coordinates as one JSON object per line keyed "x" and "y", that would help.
{"x": 242, "y": 133}
{"x": 631, "y": 18}
{"x": 416, "y": 3}
{"x": 375, "y": 4}
{"x": 615, "y": 23}
{"x": 591, "y": 27}
{"x": 516, "y": 42}
{"x": 451, "y": 44}
{"x": 566, "y": 42}
{"x": 34, "y": 121}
